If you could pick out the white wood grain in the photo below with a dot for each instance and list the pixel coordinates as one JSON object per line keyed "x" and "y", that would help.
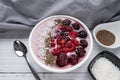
{"x": 73, "y": 76}
{"x": 13, "y": 67}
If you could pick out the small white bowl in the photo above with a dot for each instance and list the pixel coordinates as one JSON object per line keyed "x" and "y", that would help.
{"x": 113, "y": 27}
{"x": 41, "y": 64}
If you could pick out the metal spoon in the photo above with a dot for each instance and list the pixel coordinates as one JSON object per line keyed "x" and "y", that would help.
{"x": 21, "y": 51}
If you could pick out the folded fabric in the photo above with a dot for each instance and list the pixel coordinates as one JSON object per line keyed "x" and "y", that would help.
{"x": 18, "y": 17}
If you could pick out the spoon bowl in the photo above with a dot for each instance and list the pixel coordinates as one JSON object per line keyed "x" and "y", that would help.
{"x": 114, "y": 28}
{"x": 20, "y": 48}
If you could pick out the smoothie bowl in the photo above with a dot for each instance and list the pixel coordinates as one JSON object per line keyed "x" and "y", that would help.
{"x": 60, "y": 43}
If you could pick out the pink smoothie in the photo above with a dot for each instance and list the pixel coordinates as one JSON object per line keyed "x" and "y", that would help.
{"x": 39, "y": 35}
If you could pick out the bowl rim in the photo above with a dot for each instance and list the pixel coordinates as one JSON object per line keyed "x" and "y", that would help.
{"x": 60, "y": 70}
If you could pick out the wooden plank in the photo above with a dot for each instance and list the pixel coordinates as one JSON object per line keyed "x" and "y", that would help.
{"x": 69, "y": 76}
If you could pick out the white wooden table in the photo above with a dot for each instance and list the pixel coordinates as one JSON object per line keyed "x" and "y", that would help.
{"x": 13, "y": 67}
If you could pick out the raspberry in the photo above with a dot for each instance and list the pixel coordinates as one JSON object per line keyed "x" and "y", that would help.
{"x": 65, "y": 50}
{"x": 52, "y": 44}
{"x": 61, "y": 27}
{"x": 80, "y": 52}
{"x": 69, "y": 29}
{"x": 82, "y": 34}
{"x": 73, "y": 34}
{"x": 69, "y": 44}
{"x": 84, "y": 43}
{"x": 56, "y": 51}
{"x": 58, "y": 35}
{"x": 62, "y": 60}
{"x": 63, "y": 41}
{"x": 59, "y": 46}
{"x": 72, "y": 48}
{"x": 76, "y": 42}
{"x": 66, "y": 22}
{"x": 59, "y": 41}
{"x": 73, "y": 59}
{"x": 76, "y": 26}
{"x": 52, "y": 39}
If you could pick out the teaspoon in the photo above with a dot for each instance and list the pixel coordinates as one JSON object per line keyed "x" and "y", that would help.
{"x": 21, "y": 51}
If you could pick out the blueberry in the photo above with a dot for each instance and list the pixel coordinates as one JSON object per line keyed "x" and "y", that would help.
{"x": 66, "y": 22}
{"x": 84, "y": 43}
{"x": 66, "y": 34}
{"x": 67, "y": 38}
{"x": 55, "y": 37}
{"x": 61, "y": 33}
{"x": 63, "y": 30}
{"x": 76, "y": 26}
{"x": 82, "y": 34}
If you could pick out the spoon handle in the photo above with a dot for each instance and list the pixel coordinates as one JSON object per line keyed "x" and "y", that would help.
{"x": 32, "y": 70}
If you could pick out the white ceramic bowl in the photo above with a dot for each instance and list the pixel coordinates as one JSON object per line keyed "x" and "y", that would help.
{"x": 114, "y": 28}
{"x": 36, "y": 56}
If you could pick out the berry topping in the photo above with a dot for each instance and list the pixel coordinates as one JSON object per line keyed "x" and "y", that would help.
{"x": 73, "y": 59}
{"x": 62, "y": 60}
{"x": 59, "y": 41}
{"x": 69, "y": 29}
{"x": 82, "y": 34}
{"x": 56, "y": 51}
{"x": 76, "y": 42}
{"x": 76, "y": 26}
{"x": 55, "y": 37}
{"x": 71, "y": 47}
{"x": 69, "y": 44}
{"x": 67, "y": 38}
{"x": 66, "y": 34}
{"x": 73, "y": 34}
{"x": 59, "y": 46}
{"x": 58, "y": 35}
{"x": 52, "y": 39}
{"x": 66, "y": 22}
{"x": 61, "y": 27}
{"x": 84, "y": 43}
{"x": 63, "y": 41}
{"x": 65, "y": 50}
{"x": 80, "y": 52}
{"x": 61, "y": 33}
{"x": 52, "y": 44}
{"x": 63, "y": 30}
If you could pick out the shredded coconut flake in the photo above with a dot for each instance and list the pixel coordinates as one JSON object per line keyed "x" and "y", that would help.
{"x": 104, "y": 69}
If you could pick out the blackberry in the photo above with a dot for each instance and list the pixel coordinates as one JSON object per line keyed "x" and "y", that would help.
{"x": 73, "y": 59}
{"x": 82, "y": 34}
{"x": 84, "y": 43}
{"x": 66, "y": 22}
{"x": 62, "y": 60}
{"x": 76, "y": 26}
{"x": 80, "y": 52}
